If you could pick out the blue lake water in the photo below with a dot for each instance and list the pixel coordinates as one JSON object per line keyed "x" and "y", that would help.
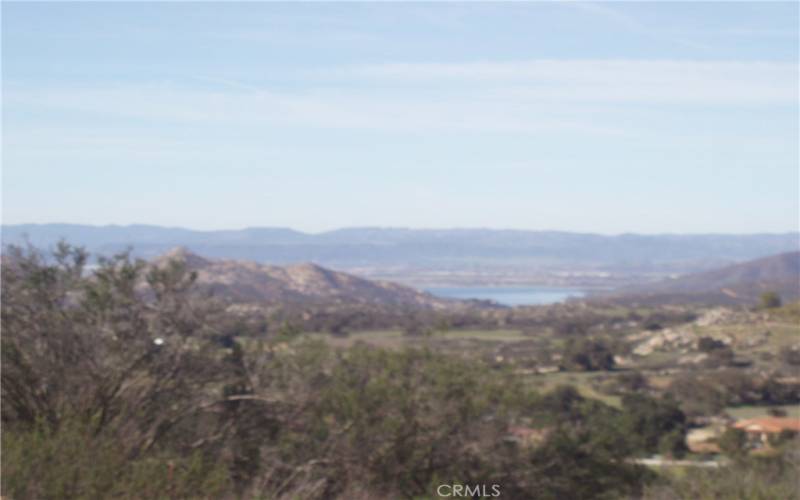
{"x": 509, "y": 295}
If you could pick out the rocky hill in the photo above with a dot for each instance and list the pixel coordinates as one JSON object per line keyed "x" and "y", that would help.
{"x": 250, "y": 282}
{"x": 737, "y": 284}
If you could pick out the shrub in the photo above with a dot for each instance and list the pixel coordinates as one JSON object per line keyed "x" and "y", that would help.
{"x": 73, "y": 462}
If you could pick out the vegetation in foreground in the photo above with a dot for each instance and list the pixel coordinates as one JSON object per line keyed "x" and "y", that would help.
{"x": 123, "y": 383}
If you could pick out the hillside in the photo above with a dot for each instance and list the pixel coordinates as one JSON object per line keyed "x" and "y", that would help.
{"x": 426, "y": 257}
{"x": 736, "y": 284}
{"x": 250, "y": 282}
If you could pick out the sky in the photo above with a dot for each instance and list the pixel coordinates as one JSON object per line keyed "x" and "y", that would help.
{"x": 606, "y": 118}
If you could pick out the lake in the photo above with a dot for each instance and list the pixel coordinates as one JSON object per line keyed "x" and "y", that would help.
{"x": 509, "y": 295}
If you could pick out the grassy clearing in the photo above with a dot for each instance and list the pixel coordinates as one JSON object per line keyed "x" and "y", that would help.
{"x": 496, "y": 335}
{"x": 395, "y": 339}
{"x": 784, "y": 334}
{"x": 386, "y": 339}
{"x": 582, "y": 381}
{"x": 659, "y": 360}
{"x": 743, "y": 412}
{"x": 788, "y": 312}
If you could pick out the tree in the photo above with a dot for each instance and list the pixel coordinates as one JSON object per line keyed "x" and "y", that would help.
{"x": 570, "y": 464}
{"x": 673, "y": 444}
{"x": 648, "y": 421}
{"x": 121, "y": 357}
{"x": 626, "y": 382}
{"x": 733, "y": 443}
{"x": 777, "y": 412}
{"x": 782, "y": 438}
{"x": 770, "y": 300}
{"x": 588, "y": 355}
{"x": 708, "y": 344}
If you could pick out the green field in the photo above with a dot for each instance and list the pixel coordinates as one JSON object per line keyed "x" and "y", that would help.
{"x": 394, "y": 339}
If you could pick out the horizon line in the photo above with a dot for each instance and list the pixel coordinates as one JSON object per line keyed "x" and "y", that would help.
{"x": 792, "y": 232}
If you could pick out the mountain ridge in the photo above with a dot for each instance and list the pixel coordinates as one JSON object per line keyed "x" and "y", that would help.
{"x": 424, "y": 255}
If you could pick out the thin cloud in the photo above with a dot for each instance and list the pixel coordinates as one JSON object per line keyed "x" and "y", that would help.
{"x": 325, "y": 109}
{"x": 720, "y": 82}
{"x": 523, "y": 97}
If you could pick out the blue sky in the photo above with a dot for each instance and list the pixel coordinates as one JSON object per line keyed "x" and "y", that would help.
{"x": 606, "y": 118}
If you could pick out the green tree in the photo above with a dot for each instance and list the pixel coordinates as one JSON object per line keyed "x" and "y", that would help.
{"x": 770, "y": 300}
{"x": 673, "y": 444}
{"x": 709, "y": 344}
{"x": 652, "y": 424}
{"x": 733, "y": 443}
{"x": 588, "y": 355}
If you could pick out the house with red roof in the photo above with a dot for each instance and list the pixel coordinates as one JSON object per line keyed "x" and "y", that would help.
{"x": 760, "y": 429}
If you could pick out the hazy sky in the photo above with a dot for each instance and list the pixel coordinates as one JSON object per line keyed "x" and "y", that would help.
{"x": 613, "y": 117}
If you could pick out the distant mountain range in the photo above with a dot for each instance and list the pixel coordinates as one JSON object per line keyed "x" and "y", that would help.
{"x": 425, "y": 256}
{"x": 737, "y": 284}
{"x": 249, "y": 282}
